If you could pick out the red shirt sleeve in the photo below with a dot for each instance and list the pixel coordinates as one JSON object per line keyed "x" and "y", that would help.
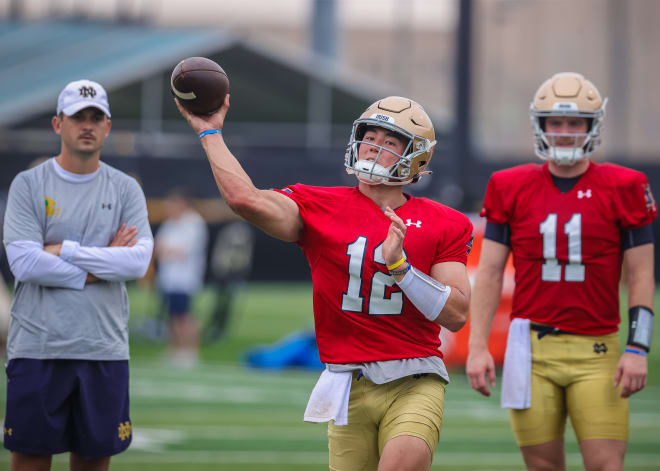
{"x": 494, "y": 209}
{"x": 635, "y": 205}
{"x": 300, "y": 194}
{"x": 456, "y": 243}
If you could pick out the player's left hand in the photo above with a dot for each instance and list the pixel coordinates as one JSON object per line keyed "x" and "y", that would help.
{"x": 631, "y": 373}
{"x": 393, "y": 245}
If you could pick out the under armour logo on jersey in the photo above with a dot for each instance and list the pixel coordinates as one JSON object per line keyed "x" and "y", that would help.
{"x": 417, "y": 224}
{"x": 106, "y": 205}
{"x": 600, "y": 348}
{"x": 584, "y": 194}
{"x": 87, "y": 92}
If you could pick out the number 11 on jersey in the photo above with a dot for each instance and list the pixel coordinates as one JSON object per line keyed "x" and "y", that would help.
{"x": 551, "y": 269}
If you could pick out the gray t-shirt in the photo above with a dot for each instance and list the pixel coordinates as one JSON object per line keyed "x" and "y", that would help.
{"x": 381, "y": 372}
{"x": 44, "y": 207}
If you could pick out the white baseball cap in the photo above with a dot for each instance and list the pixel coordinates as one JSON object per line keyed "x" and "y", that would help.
{"x": 82, "y": 94}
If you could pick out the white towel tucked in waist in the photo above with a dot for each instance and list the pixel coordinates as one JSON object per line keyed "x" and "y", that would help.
{"x": 517, "y": 374}
{"x": 329, "y": 399}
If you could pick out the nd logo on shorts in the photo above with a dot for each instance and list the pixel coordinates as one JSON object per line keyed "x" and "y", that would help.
{"x": 124, "y": 430}
{"x": 600, "y": 348}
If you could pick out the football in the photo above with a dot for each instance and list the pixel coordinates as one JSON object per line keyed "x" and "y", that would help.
{"x": 200, "y": 85}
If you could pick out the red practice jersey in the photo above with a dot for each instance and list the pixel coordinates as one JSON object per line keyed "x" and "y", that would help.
{"x": 360, "y": 314}
{"x": 567, "y": 246}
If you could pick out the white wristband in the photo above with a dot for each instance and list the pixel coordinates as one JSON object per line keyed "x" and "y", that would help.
{"x": 427, "y": 295}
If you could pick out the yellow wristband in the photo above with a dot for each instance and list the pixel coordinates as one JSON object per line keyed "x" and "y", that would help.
{"x": 392, "y": 267}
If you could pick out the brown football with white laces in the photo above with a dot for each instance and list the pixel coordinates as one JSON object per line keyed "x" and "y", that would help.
{"x": 200, "y": 85}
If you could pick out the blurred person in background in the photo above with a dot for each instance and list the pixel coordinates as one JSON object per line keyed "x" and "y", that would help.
{"x": 75, "y": 230}
{"x": 180, "y": 249}
{"x": 5, "y": 296}
{"x": 571, "y": 224}
{"x": 388, "y": 271}
{"x": 5, "y": 316}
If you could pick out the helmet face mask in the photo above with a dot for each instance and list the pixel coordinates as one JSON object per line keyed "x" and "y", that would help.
{"x": 567, "y": 95}
{"x": 411, "y": 124}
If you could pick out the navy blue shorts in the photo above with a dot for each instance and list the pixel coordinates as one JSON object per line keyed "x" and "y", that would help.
{"x": 178, "y": 304}
{"x": 54, "y": 406}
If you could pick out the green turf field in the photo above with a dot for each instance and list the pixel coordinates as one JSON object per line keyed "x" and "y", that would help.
{"x": 224, "y": 416}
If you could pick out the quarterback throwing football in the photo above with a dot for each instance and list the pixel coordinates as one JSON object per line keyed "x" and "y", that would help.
{"x": 388, "y": 271}
{"x": 571, "y": 224}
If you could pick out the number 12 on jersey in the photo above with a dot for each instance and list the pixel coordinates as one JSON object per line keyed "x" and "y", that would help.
{"x": 551, "y": 269}
{"x": 379, "y": 304}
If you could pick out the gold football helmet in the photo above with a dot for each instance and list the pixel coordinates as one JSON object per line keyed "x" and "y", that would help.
{"x": 567, "y": 94}
{"x": 409, "y": 120}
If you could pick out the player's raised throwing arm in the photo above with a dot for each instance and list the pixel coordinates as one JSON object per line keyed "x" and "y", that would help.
{"x": 270, "y": 211}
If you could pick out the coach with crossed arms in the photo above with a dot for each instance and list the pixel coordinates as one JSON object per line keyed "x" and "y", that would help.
{"x": 75, "y": 230}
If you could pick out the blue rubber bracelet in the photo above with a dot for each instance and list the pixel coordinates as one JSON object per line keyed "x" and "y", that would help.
{"x": 209, "y": 131}
{"x": 401, "y": 272}
{"x": 636, "y": 352}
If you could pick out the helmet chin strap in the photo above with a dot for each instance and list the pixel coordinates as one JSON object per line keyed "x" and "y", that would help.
{"x": 566, "y": 155}
{"x": 371, "y": 172}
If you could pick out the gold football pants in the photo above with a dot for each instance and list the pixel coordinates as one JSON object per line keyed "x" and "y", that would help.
{"x": 573, "y": 375}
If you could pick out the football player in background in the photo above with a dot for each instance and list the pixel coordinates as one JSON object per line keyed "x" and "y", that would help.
{"x": 388, "y": 271}
{"x": 570, "y": 224}
{"x": 75, "y": 230}
{"x": 180, "y": 249}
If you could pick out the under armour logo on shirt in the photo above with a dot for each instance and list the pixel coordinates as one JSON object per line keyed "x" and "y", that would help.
{"x": 584, "y": 194}
{"x": 416, "y": 224}
{"x": 106, "y": 205}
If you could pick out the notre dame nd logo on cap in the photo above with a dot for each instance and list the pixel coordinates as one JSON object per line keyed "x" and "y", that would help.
{"x": 87, "y": 92}
{"x": 82, "y": 94}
